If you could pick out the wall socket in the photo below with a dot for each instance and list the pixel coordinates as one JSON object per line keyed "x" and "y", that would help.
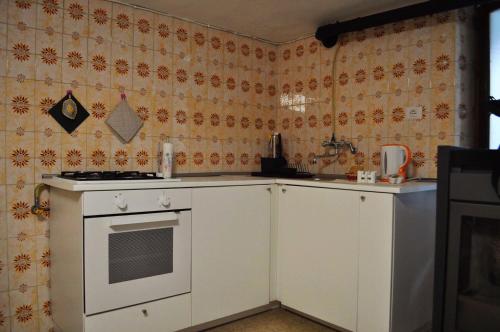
{"x": 414, "y": 113}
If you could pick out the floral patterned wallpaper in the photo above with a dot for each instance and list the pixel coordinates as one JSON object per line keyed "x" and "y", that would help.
{"x": 378, "y": 72}
{"x": 215, "y": 95}
{"x": 212, "y": 93}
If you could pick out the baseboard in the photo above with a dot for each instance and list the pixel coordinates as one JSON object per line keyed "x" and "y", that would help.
{"x": 317, "y": 320}
{"x": 232, "y": 318}
{"x": 427, "y": 327}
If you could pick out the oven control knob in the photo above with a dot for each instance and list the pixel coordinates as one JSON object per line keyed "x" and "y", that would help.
{"x": 120, "y": 202}
{"x": 164, "y": 200}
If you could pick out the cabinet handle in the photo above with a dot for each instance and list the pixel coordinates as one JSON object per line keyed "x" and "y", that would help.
{"x": 363, "y": 198}
{"x": 269, "y": 189}
{"x": 145, "y": 312}
{"x": 283, "y": 190}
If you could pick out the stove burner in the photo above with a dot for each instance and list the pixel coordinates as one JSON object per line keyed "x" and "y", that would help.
{"x": 109, "y": 175}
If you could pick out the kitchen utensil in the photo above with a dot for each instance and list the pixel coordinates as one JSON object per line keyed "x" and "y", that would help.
{"x": 69, "y": 108}
{"x": 270, "y": 165}
{"x": 395, "y": 159}
{"x": 68, "y": 112}
{"x": 275, "y": 146}
{"x": 124, "y": 121}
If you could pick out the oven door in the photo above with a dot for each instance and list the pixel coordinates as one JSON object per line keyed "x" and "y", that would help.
{"x": 472, "y": 301}
{"x": 131, "y": 259}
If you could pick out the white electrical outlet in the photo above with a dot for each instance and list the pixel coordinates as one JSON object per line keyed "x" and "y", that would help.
{"x": 414, "y": 113}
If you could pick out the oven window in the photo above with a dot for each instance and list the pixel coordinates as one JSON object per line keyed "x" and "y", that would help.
{"x": 140, "y": 254}
{"x": 479, "y": 276}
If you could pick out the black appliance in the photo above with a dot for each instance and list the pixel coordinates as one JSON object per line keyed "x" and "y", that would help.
{"x": 275, "y": 146}
{"x": 276, "y": 165}
{"x": 467, "y": 266}
{"x": 280, "y": 168}
{"x": 109, "y": 175}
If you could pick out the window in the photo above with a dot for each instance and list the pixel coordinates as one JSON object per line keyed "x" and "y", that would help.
{"x": 140, "y": 254}
{"x": 494, "y": 81}
{"x": 489, "y": 75}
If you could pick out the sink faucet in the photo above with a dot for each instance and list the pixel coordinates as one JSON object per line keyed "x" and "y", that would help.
{"x": 336, "y": 145}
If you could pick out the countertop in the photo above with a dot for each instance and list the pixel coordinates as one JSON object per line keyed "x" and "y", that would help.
{"x": 237, "y": 180}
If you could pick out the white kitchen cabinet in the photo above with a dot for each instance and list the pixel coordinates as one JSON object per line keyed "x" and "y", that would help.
{"x": 375, "y": 262}
{"x": 396, "y": 261}
{"x": 317, "y": 253}
{"x": 362, "y": 261}
{"x": 231, "y": 250}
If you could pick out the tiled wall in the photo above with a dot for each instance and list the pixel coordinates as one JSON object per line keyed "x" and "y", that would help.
{"x": 378, "y": 73}
{"x": 213, "y": 93}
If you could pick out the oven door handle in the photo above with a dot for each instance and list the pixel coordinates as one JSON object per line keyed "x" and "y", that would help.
{"x": 144, "y": 219}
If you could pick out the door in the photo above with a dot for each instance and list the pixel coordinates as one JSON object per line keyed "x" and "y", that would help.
{"x": 136, "y": 258}
{"x": 375, "y": 261}
{"x": 317, "y": 253}
{"x": 231, "y": 250}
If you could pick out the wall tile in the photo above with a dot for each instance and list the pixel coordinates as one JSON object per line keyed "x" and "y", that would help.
{"x": 50, "y": 15}
{"x": 76, "y": 19}
{"x": 100, "y": 19}
{"x": 215, "y": 95}
{"x": 377, "y": 74}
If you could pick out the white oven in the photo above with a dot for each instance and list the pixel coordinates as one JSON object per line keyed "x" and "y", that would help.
{"x": 138, "y": 253}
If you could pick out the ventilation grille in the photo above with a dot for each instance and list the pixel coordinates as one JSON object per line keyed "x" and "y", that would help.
{"x": 140, "y": 254}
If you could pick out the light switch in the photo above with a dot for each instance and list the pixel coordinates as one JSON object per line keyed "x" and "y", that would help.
{"x": 414, "y": 113}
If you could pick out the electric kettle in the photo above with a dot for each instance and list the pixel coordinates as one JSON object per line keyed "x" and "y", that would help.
{"x": 394, "y": 161}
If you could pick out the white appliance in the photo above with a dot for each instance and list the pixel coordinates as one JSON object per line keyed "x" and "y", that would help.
{"x": 139, "y": 257}
{"x": 395, "y": 159}
{"x": 131, "y": 259}
{"x": 121, "y": 253}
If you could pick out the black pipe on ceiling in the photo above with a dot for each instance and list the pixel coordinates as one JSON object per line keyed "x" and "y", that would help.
{"x": 328, "y": 34}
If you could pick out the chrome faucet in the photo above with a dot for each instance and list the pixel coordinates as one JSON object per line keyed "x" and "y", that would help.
{"x": 335, "y": 145}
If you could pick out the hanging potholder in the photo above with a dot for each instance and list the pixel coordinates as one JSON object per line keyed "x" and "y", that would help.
{"x": 124, "y": 121}
{"x": 69, "y": 113}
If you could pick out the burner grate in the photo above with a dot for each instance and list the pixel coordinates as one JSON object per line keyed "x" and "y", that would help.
{"x": 109, "y": 175}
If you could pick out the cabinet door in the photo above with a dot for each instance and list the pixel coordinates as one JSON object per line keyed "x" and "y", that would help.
{"x": 231, "y": 250}
{"x": 317, "y": 253}
{"x": 375, "y": 262}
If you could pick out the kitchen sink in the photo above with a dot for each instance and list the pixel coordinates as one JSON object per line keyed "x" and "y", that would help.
{"x": 326, "y": 177}
{"x": 193, "y": 175}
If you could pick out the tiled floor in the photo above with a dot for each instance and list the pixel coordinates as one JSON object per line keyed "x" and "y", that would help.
{"x": 277, "y": 320}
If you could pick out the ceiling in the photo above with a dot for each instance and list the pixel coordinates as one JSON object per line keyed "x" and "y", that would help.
{"x": 276, "y": 21}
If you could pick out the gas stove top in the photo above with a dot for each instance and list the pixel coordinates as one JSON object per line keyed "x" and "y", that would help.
{"x": 109, "y": 176}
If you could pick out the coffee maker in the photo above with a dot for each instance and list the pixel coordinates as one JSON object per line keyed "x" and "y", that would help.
{"x": 275, "y": 161}
{"x": 275, "y": 146}
{"x": 275, "y": 165}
